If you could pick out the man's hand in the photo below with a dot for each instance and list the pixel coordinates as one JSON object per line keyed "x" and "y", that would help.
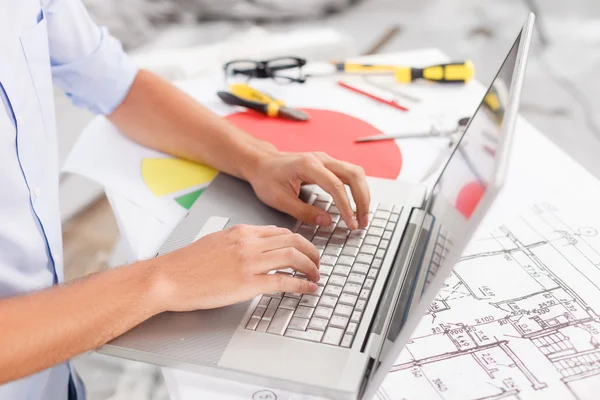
{"x": 232, "y": 265}
{"x": 277, "y": 179}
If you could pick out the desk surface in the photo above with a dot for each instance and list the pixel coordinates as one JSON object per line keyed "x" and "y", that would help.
{"x": 538, "y": 171}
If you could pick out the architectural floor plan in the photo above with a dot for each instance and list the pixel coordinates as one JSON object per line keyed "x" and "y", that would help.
{"x": 517, "y": 319}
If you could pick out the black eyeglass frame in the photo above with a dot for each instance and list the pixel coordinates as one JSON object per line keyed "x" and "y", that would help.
{"x": 265, "y": 69}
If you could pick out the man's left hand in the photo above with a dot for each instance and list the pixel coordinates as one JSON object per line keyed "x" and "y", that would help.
{"x": 277, "y": 179}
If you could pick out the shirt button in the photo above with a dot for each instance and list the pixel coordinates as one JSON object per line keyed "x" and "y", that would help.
{"x": 37, "y": 191}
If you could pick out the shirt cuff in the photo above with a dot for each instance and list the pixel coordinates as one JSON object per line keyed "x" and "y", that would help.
{"x": 100, "y": 81}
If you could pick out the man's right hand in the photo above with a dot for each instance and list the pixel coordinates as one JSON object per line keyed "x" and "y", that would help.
{"x": 230, "y": 266}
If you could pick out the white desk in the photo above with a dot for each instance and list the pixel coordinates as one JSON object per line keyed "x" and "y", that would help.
{"x": 539, "y": 170}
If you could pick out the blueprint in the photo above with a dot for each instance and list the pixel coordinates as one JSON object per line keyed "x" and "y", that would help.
{"x": 518, "y": 318}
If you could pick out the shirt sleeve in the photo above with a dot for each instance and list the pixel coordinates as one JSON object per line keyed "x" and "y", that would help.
{"x": 87, "y": 63}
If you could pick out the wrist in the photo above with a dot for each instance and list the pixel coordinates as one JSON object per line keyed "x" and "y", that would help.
{"x": 154, "y": 287}
{"x": 254, "y": 159}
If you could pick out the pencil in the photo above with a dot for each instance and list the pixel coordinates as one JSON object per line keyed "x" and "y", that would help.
{"x": 392, "y": 103}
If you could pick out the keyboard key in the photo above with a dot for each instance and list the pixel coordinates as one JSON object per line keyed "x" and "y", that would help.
{"x": 352, "y": 288}
{"x": 346, "y": 341}
{"x": 332, "y": 336}
{"x": 358, "y": 233}
{"x": 349, "y": 299}
{"x": 298, "y": 323}
{"x": 372, "y": 273}
{"x": 396, "y": 210}
{"x": 390, "y": 226}
{"x": 333, "y": 250}
{"x": 369, "y": 284}
{"x": 318, "y": 324}
{"x": 384, "y": 207}
{"x": 351, "y": 329}
{"x": 253, "y": 323}
{"x": 324, "y": 197}
{"x": 343, "y": 270}
{"x": 304, "y": 312}
{"x": 293, "y": 295}
{"x": 378, "y": 222}
{"x": 380, "y": 253}
{"x": 337, "y": 280}
{"x": 309, "y": 301}
{"x": 356, "y": 278}
{"x": 337, "y": 241}
{"x": 364, "y": 259}
{"x": 387, "y": 235}
{"x": 375, "y": 231}
{"x": 268, "y": 315}
{"x": 307, "y": 230}
{"x": 258, "y": 312}
{"x": 384, "y": 244}
{"x": 372, "y": 240}
{"x": 355, "y": 242}
{"x": 382, "y": 214}
{"x": 364, "y": 294}
{"x": 323, "y": 205}
{"x": 332, "y": 290}
{"x": 328, "y": 229}
{"x": 280, "y": 321}
{"x": 274, "y": 303}
{"x": 342, "y": 224}
{"x": 328, "y": 301}
{"x": 276, "y": 295}
{"x": 368, "y": 249}
{"x": 328, "y": 260}
{"x": 360, "y": 305}
{"x": 288, "y": 303}
{"x": 356, "y": 316}
{"x": 311, "y": 335}
{"x": 394, "y": 217}
{"x": 319, "y": 242}
{"x": 321, "y": 233}
{"x": 323, "y": 312}
{"x": 335, "y": 218}
{"x": 325, "y": 270}
{"x": 334, "y": 210}
{"x": 262, "y": 326}
{"x": 323, "y": 279}
{"x": 338, "y": 321}
{"x": 376, "y": 263}
{"x": 345, "y": 260}
{"x": 341, "y": 232}
{"x": 350, "y": 251}
{"x": 319, "y": 291}
{"x": 264, "y": 301}
{"x": 343, "y": 310}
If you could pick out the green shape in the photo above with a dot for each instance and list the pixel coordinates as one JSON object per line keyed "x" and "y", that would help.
{"x": 187, "y": 200}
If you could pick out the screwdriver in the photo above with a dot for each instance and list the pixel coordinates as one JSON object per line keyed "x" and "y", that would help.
{"x": 457, "y": 72}
{"x": 246, "y": 96}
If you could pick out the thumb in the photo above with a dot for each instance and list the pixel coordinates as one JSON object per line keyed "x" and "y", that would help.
{"x": 292, "y": 205}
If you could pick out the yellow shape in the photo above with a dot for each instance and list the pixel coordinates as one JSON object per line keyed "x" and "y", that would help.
{"x": 403, "y": 75}
{"x": 435, "y": 73}
{"x": 169, "y": 175}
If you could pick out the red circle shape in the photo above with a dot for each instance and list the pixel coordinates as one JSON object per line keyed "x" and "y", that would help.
{"x": 329, "y": 131}
{"x": 468, "y": 198}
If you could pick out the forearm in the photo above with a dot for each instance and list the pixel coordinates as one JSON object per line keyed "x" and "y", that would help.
{"x": 48, "y": 327}
{"x": 158, "y": 115}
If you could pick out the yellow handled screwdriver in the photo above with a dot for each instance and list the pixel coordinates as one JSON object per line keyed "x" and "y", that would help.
{"x": 458, "y": 72}
{"x": 246, "y": 96}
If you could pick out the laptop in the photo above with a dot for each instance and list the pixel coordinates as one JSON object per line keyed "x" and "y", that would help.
{"x": 376, "y": 283}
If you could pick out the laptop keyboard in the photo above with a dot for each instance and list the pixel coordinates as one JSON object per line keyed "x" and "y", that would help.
{"x": 350, "y": 262}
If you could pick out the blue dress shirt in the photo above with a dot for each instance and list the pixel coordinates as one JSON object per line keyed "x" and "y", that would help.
{"x": 44, "y": 42}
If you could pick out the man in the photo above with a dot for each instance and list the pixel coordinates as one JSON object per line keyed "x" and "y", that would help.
{"x": 44, "y": 323}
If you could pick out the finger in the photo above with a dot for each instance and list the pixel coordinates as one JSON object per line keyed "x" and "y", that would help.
{"x": 288, "y": 257}
{"x": 292, "y": 240}
{"x": 285, "y": 283}
{"x": 329, "y": 182}
{"x": 253, "y": 231}
{"x": 354, "y": 176}
{"x": 292, "y": 205}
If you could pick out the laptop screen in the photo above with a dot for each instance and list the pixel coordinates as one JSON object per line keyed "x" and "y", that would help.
{"x": 468, "y": 173}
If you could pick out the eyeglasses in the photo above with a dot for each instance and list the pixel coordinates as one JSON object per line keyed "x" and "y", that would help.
{"x": 281, "y": 70}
